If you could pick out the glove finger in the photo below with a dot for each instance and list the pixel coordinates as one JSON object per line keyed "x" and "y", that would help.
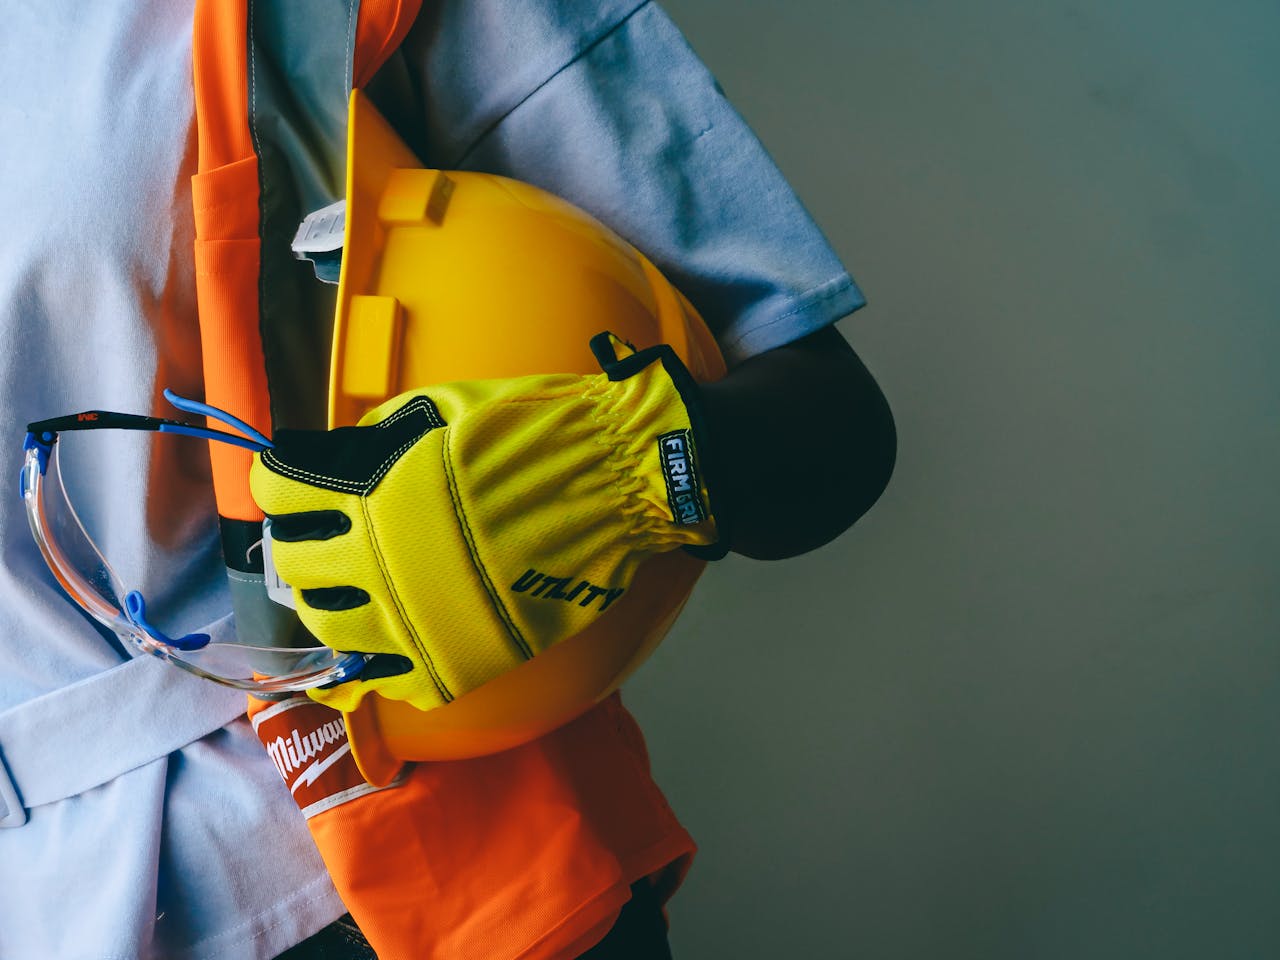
{"x": 339, "y": 561}
{"x": 343, "y": 696}
{"x": 309, "y": 525}
{"x": 415, "y": 688}
{"x": 334, "y": 598}
{"x": 279, "y": 494}
{"x": 372, "y": 627}
{"x": 445, "y": 666}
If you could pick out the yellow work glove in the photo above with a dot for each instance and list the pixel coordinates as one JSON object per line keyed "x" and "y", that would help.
{"x": 461, "y": 529}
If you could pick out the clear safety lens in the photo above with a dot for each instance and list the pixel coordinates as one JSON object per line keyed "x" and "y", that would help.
{"x": 88, "y": 578}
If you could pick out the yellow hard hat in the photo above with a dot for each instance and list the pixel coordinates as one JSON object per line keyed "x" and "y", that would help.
{"x": 452, "y": 275}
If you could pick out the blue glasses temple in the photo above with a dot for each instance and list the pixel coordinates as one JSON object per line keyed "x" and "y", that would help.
{"x": 195, "y": 406}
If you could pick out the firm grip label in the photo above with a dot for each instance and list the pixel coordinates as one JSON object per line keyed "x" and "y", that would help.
{"x": 684, "y": 493}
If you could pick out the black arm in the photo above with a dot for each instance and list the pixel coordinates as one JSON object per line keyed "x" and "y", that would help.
{"x": 804, "y": 444}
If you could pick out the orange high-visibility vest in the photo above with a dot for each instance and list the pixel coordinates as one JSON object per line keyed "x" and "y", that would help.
{"x": 525, "y": 854}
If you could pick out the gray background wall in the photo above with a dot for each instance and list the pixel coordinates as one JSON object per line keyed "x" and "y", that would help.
{"x": 1028, "y": 707}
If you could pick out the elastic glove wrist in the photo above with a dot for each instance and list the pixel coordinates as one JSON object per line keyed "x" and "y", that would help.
{"x": 660, "y": 471}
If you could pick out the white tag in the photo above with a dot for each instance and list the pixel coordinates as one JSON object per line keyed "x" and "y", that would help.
{"x": 277, "y": 589}
{"x": 321, "y": 230}
{"x": 319, "y": 239}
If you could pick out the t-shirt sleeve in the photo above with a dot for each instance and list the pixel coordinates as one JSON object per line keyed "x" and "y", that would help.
{"x": 606, "y": 105}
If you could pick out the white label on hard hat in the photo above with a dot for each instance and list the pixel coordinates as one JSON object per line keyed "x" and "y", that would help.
{"x": 319, "y": 240}
{"x": 277, "y": 589}
{"x": 321, "y": 230}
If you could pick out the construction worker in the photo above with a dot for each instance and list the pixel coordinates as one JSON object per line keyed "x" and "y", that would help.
{"x": 140, "y": 816}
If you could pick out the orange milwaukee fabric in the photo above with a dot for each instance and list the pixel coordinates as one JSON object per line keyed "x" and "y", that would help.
{"x": 524, "y": 855}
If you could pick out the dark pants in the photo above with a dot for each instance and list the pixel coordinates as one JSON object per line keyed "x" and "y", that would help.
{"x": 639, "y": 933}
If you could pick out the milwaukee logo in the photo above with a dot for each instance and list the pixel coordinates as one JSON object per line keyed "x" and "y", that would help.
{"x": 302, "y": 753}
{"x": 87, "y": 417}
{"x": 308, "y": 744}
{"x": 584, "y": 593}
{"x": 684, "y": 495}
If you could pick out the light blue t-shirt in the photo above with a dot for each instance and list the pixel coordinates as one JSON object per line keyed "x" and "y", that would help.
{"x": 129, "y": 850}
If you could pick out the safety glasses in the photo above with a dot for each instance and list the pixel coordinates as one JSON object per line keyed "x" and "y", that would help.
{"x": 90, "y": 581}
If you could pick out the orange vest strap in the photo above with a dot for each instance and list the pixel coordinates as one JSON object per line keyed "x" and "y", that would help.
{"x": 226, "y": 195}
{"x": 225, "y": 199}
{"x": 380, "y": 29}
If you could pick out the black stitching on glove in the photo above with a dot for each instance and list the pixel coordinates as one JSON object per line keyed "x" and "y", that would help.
{"x": 351, "y": 459}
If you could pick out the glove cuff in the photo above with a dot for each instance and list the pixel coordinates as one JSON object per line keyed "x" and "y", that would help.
{"x": 654, "y": 409}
